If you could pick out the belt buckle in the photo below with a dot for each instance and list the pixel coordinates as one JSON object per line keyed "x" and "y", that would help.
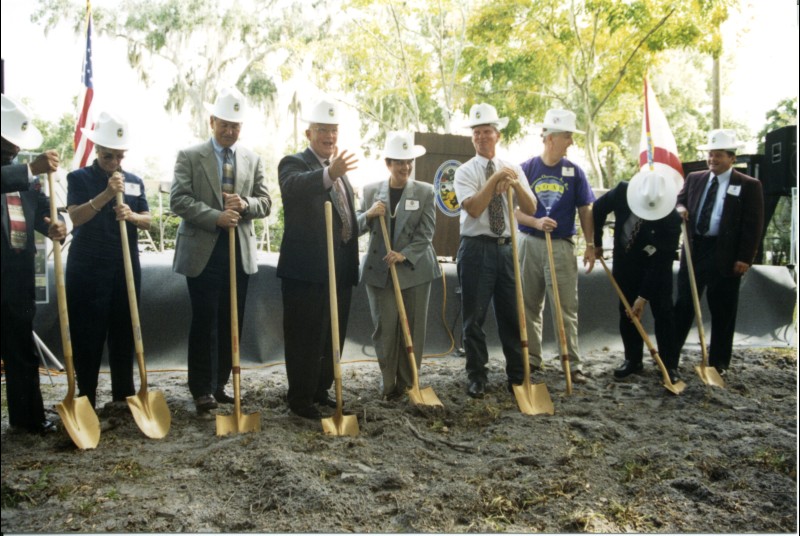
{"x": 502, "y": 241}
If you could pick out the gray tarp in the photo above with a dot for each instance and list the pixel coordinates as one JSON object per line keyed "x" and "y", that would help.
{"x": 766, "y": 308}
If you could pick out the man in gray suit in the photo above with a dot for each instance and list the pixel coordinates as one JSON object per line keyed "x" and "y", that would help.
{"x": 201, "y": 252}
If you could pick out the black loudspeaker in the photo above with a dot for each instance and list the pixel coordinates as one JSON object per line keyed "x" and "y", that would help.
{"x": 779, "y": 167}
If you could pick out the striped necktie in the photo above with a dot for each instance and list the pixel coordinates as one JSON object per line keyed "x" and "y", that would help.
{"x": 704, "y": 220}
{"x": 340, "y": 202}
{"x": 497, "y": 220}
{"x": 227, "y": 171}
{"x": 18, "y": 229}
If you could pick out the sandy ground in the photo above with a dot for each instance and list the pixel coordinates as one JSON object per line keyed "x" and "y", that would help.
{"x": 617, "y": 456}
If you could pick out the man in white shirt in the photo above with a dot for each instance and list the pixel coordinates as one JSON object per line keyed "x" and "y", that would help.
{"x": 485, "y": 255}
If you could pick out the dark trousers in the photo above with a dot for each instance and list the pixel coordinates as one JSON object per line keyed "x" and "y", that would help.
{"x": 97, "y": 297}
{"x": 307, "y": 337}
{"x": 25, "y": 407}
{"x": 486, "y": 275}
{"x": 210, "y": 351}
{"x": 629, "y": 275}
{"x": 722, "y": 294}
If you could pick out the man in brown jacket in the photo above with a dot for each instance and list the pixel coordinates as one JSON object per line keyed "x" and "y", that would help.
{"x": 724, "y": 211}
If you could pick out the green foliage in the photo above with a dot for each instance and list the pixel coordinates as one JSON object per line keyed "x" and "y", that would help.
{"x": 585, "y": 56}
{"x": 784, "y": 114}
{"x": 58, "y": 136}
{"x": 400, "y": 66}
{"x": 207, "y": 44}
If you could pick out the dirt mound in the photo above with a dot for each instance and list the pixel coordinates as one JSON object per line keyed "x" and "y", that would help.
{"x": 617, "y": 456}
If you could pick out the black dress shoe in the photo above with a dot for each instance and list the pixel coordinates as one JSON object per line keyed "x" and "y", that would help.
{"x": 44, "y": 427}
{"x": 205, "y": 403}
{"x": 307, "y": 412}
{"x": 476, "y": 389}
{"x": 325, "y": 401}
{"x": 628, "y": 368}
{"x": 224, "y": 398}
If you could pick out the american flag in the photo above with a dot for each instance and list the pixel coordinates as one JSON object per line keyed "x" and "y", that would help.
{"x": 657, "y": 148}
{"x": 83, "y": 146}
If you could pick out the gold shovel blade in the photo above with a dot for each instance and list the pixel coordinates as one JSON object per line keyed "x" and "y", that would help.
{"x": 675, "y": 388}
{"x": 340, "y": 425}
{"x": 709, "y": 376}
{"x": 534, "y": 399}
{"x": 424, "y": 397}
{"x": 238, "y": 424}
{"x": 151, "y": 413}
{"x": 80, "y": 421}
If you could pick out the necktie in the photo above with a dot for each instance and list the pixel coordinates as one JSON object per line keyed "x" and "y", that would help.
{"x": 704, "y": 220}
{"x": 227, "y": 171}
{"x": 497, "y": 220}
{"x": 340, "y": 202}
{"x": 18, "y": 229}
{"x": 635, "y": 231}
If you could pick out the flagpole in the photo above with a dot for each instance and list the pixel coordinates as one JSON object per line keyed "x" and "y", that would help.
{"x": 82, "y": 145}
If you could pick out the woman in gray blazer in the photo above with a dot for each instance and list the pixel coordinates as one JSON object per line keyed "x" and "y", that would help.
{"x": 407, "y": 206}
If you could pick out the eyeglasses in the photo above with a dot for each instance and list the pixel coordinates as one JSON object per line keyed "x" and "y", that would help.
{"x": 108, "y": 156}
{"x": 325, "y": 131}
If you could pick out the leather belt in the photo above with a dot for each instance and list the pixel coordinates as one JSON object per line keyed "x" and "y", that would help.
{"x": 499, "y": 240}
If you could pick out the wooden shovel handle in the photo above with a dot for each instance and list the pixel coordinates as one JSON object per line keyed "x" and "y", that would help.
{"x": 333, "y": 299}
{"x": 562, "y": 336}
{"x": 523, "y": 328}
{"x": 132, "y": 302}
{"x": 61, "y": 296}
{"x": 401, "y": 308}
{"x": 687, "y": 249}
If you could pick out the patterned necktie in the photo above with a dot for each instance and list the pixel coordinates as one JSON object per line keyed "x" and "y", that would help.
{"x": 18, "y": 229}
{"x": 497, "y": 220}
{"x": 339, "y": 197}
{"x": 227, "y": 171}
{"x": 704, "y": 221}
{"x": 635, "y": 231}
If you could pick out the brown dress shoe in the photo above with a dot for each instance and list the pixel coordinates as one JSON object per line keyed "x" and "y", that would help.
{"x": 205, "y": 403}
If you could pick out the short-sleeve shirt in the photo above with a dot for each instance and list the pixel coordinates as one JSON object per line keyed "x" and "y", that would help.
{"x": 469, "y": 180}
{"x": 99, "y": 237}
{"x": 569, "y": 184}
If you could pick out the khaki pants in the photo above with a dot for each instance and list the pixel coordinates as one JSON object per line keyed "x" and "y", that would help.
{"x": 536, "y": 280}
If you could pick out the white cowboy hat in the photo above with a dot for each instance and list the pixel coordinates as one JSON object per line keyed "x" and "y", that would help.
{"x": 559, "y": 121}
{"x": 400, "y": 146}
{"x": 229, "y": 105}
{"x": 485, "y": 114}
{"x": 652, "y": 196}
{"x": 721, "y": 140}
{"x": 17, "y": 126}
{"x": 324, "y": 112}
{"x": 110, "y": 131}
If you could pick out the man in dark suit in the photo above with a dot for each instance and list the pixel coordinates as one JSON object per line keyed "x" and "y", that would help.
{"x": 646, "y": 233}
{"x": 218, "y": 185}
{"x": 25, "y": 209}
{"x": 307, "y": 180}
{"x": 724, "y": 211}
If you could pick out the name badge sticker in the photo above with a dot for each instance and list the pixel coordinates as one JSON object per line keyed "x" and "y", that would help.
{"x": 133, "y": 189}
{"x": 412, "y": 204}
{"x": 734, "y": 189}
{"x": 567, "y": 171}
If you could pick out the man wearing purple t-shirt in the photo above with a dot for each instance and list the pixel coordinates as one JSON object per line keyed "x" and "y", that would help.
{"x": 561, "y": 188}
